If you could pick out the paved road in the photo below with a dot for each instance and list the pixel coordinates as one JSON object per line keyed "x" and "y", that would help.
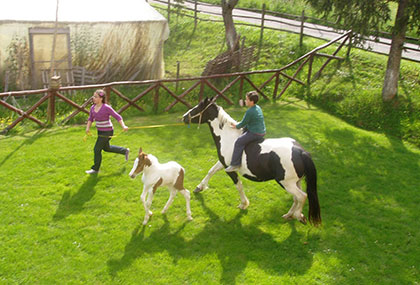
{"x": 316, "y": 31}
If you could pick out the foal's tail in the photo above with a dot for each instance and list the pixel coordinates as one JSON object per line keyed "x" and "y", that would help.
{"x": 314, "y": 215}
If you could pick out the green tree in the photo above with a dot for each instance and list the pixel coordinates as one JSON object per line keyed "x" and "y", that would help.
{"x": 367, "y": 18}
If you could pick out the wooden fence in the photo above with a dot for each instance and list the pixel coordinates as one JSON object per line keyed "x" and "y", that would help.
{"x": 154, "y": 87}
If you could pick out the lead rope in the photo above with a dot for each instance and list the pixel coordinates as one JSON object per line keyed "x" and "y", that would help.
{"x": 140, "y": 127}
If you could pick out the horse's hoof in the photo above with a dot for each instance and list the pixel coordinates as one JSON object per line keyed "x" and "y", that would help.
{"x": 190, "y": 218}
{"x": 303, "y": 220}
{"x": 197, "y": 190}
{"x": 243, "y": 206}
{"x": 287, "y": 217}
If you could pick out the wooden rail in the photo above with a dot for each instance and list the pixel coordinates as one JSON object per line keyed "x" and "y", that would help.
{"x": 156, "y": 87}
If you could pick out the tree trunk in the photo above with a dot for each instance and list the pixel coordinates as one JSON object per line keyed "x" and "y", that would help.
{"x": 390, "y": 87}
{"x": 231, "y": 35}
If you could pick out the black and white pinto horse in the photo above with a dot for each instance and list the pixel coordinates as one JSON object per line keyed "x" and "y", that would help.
{"x": 281, "y": 159}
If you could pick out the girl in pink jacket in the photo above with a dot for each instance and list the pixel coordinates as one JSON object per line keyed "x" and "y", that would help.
{"x": 101, "y": 112}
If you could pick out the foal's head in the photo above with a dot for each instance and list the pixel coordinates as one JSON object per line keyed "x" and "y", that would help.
{"x": 204, "y": 111}
{"x": 140, "y": 163}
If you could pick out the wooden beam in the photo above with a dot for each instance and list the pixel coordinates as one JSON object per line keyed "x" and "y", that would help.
{"x": 255, "y": 87}
{"x": 138, "y": 97}
{"x": 182, "y": 95}
{"x": 291, "y": 78}
{"x": 328, "y": 55}
{"x": 70, "y": 102}
{"x": 130, "y": 102}
{"x": 21, "y": 112}
{"x": 89, "y": 101}
{"x": 27, "y": 113}
{"x": 176, "y": 97}
{"x": 296, "y": 73}
{"x": 218, "y": 92}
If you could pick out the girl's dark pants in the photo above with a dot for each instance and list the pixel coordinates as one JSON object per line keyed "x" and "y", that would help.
{"x": 240, "y": 144}
{"x": 102, "y": 143}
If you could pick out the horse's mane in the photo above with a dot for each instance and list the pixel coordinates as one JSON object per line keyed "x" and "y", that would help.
{"x": 153, "y": 159}
{"x": 224, "y": 117}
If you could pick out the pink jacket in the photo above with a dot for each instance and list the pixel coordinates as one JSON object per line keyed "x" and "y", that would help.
{"x": 102, "y": 117}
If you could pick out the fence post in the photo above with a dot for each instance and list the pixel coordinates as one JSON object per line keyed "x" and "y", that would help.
{"x": 55, "y": 84}
{"x": 195, "y": 13}
{"x": 177, "y": 75}
{"x": 311, "y": 60}
{"x": 201, "y": 90}
{"x": 262, "y": 32}
{"x": 276, "y": 87}
{"x": 241, "y": 88}
{"x": 107, "y": 94}
{"x": 156, "y": 99}
{"x": 349, "y": 45}
{"x": 302, "y": 22}
{"x": 169, "y": 11}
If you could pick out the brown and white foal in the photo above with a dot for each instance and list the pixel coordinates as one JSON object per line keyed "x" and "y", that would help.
{"x": 169, "y": 174}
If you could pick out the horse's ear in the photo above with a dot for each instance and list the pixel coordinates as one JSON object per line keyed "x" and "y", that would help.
{"x": 207, "y": 101}
{"x": 140, "y": 150}
{"x": 211, "y": 100}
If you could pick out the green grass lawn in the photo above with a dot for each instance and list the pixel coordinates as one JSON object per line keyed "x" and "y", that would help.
{"x": 59, "y": 225}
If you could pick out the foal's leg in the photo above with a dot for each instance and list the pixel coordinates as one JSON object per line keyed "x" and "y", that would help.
{"x": 186, "y": 194}
{"x": 143, "y": 197}
{"x": 172, "y": 194}
{"x": 204, "y": 183}
{"x": 147, "y": 204}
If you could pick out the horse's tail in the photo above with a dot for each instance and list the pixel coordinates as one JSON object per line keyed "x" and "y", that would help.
{"x": 314, "y": 215}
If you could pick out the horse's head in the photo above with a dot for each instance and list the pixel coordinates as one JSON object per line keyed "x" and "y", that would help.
{"x": 204, "y": 111}
{"x": 140, "y": 163}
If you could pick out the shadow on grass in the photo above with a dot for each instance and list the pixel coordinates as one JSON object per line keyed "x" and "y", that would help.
{"x": 234, "y": 244}
{"x": 28, "y": 141}
{"x": 367, "y": 184}
{"x": 73, "y": 204}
